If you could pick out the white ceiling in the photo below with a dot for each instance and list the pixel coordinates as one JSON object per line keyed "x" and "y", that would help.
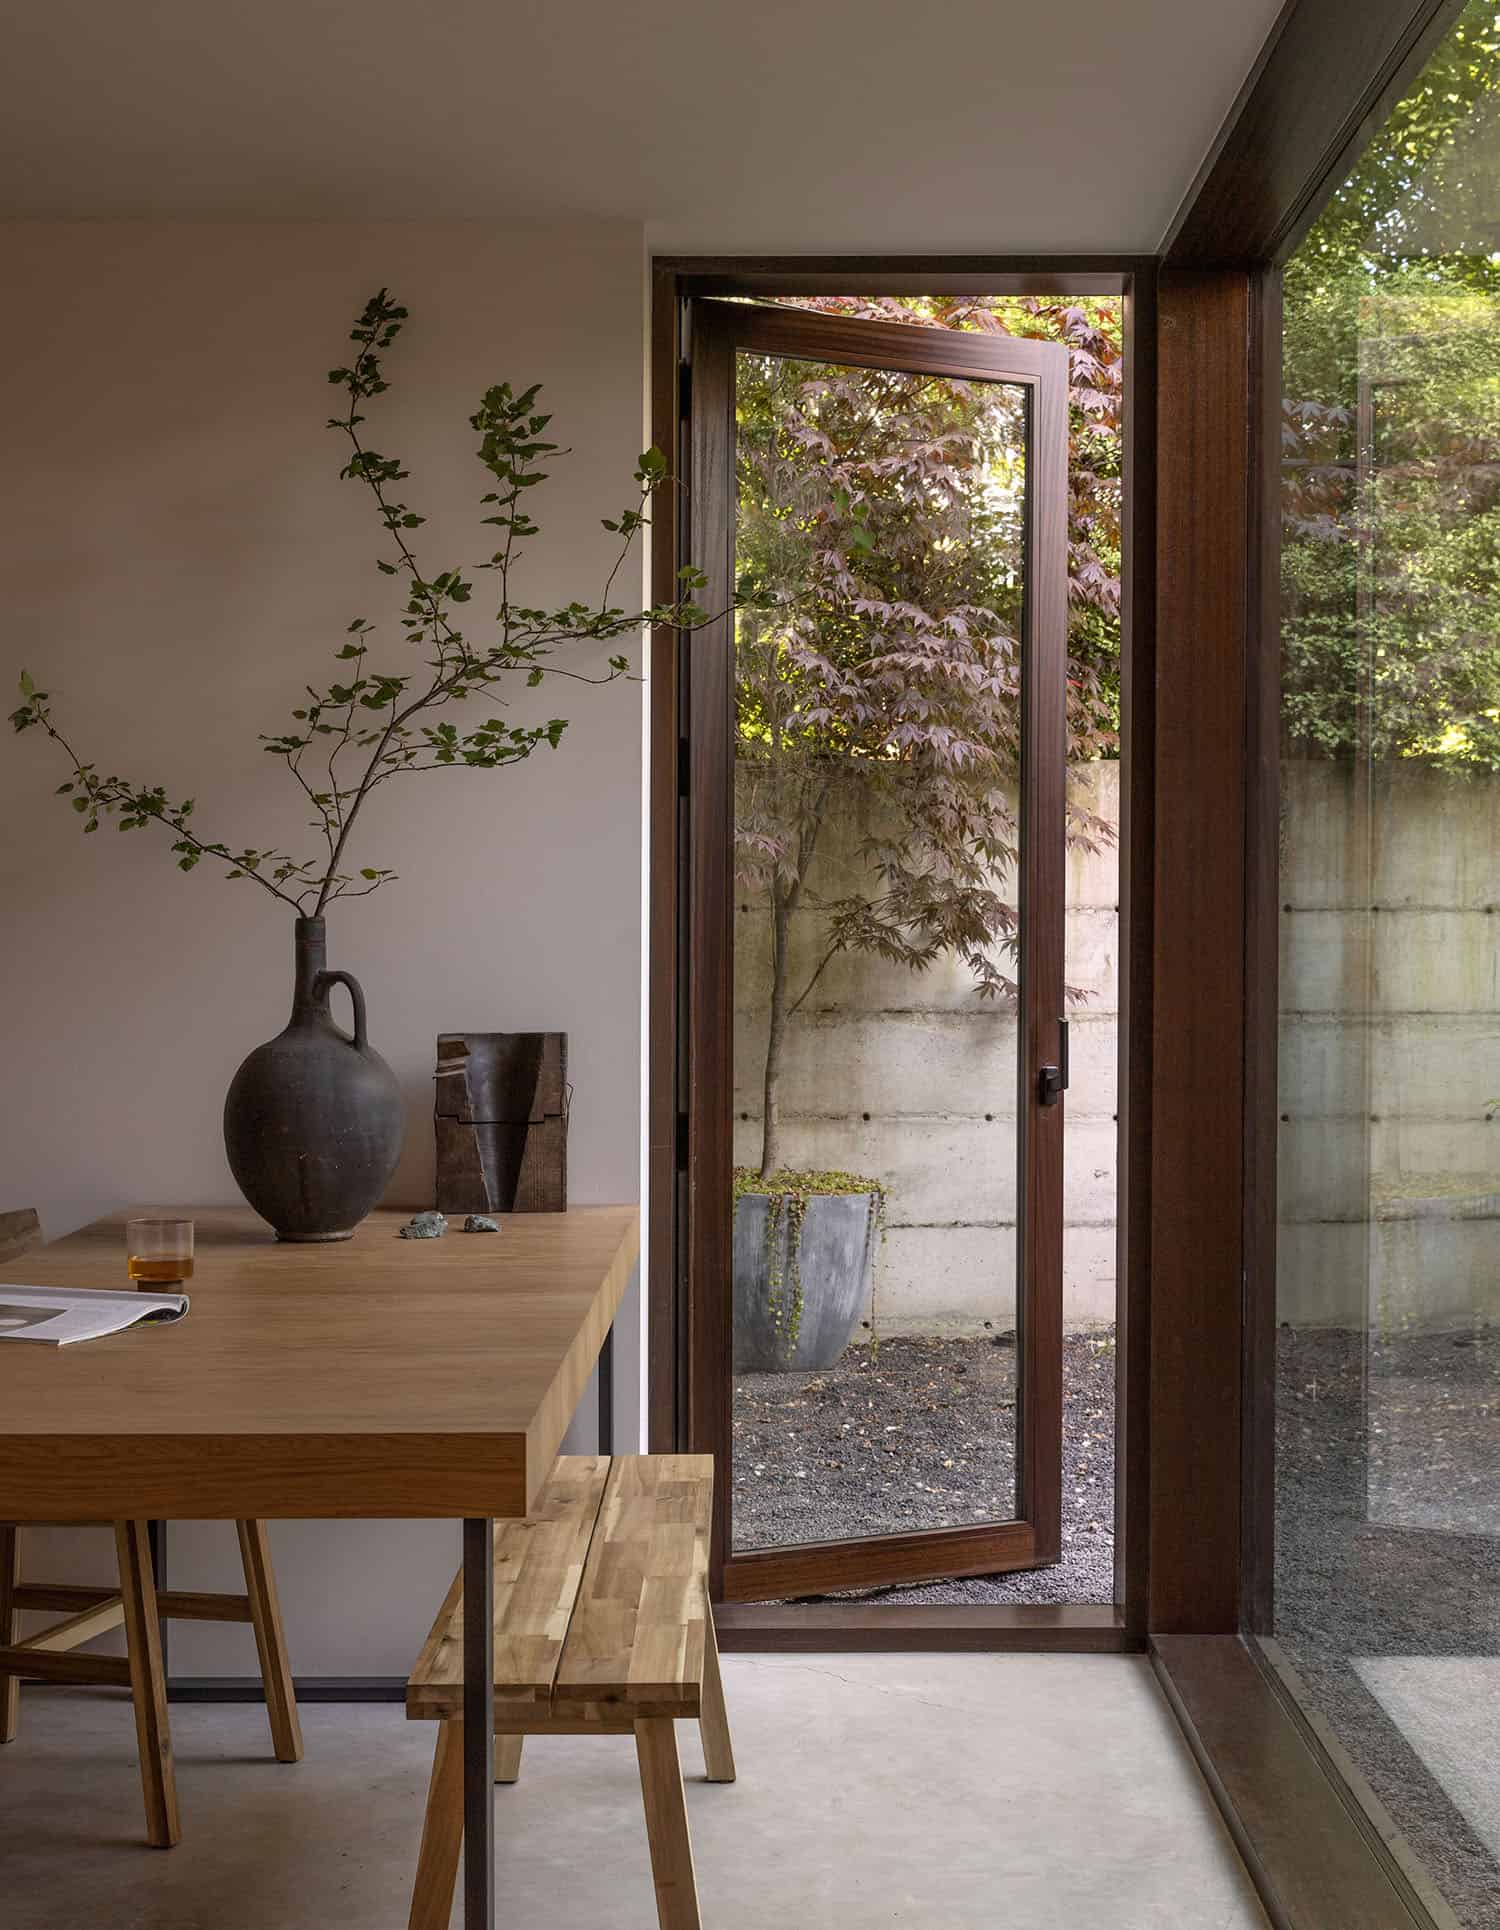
{"x": 773, "y": 125}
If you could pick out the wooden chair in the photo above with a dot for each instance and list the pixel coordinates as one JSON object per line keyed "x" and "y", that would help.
{"x": 137, "y": 1605}
{"x": 602, "y": 1627}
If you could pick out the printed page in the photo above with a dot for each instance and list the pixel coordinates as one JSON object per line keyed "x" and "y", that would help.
{"x": 58, "y": 1315}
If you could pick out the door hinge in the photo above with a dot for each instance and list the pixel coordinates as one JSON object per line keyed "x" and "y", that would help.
{"x": 685, "y": 388}
{"x": 684, "y": 763}
{"x": 1053, "y": 1080}
{"x": 682, "y": 1142}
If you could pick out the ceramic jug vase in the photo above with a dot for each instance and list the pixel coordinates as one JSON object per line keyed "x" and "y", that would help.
{"x": 313, "y": 1121}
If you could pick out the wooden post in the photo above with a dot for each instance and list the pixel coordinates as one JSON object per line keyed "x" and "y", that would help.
{"x": 148, "y": 1686}
{"x": 270, "y": 1641}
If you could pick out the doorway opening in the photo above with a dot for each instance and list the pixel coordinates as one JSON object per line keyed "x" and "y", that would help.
{"x": 896, "y": 1255}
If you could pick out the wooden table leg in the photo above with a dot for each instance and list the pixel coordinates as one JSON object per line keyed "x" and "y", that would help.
{"x": 156, "y": 1541}
{"x": 479, "y": 1724}
{"x": 148, "y": 1686}
{"x": 270, "y": 1641}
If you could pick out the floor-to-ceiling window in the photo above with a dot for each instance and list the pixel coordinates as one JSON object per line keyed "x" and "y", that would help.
{"x": 1387, "y": 1598}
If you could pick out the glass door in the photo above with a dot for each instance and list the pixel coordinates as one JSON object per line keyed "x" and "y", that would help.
{"x": 873, "y": 949}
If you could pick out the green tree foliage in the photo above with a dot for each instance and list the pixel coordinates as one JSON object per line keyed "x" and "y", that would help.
{"x": 1391, "y": 437}
{"x": 378, "y": 721}
{"x": 880, "y": 546}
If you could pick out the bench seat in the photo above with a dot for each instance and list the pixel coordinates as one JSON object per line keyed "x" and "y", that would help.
{"x": 602, "y": 1627}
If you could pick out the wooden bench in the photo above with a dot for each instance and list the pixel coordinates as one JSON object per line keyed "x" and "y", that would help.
{"x": 602, "y": 1627}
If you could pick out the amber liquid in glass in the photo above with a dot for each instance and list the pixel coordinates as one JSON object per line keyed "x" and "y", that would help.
{"x": 159, "y": 1273}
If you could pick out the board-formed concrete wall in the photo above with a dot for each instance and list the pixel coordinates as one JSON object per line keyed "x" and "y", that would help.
{"x": 1390, "y": 1047}
{"x": 911, "y": 1078}
{"x": 1390, "y": 1072}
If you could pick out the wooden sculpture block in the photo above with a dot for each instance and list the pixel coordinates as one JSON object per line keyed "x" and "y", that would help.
{"x": 501, "y": 1116}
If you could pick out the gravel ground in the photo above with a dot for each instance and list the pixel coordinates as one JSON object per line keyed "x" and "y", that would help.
{"x": 920, "y": 1433}
{"x": 1411, "y": 1436}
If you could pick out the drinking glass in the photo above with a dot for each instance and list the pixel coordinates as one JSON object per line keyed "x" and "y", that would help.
{"x": 159, "y": 1253}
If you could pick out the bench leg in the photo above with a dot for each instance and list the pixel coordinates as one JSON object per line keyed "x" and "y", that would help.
{"x": 667, "y": 1825}
{"x": 148, "y": 1686}
{"x": 713, "y": 1722}
{"x": 508, "y": 1758}
{"x": 270, "y": 1641}
{"x": 442, "y": 1833}
{"x": 10, "y": 1576}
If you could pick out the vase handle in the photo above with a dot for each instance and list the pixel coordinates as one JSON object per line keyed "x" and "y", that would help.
{"x": 325, "y": 980}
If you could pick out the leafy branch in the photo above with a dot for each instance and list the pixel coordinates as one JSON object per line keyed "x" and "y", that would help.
{"x": 387, "y": 718}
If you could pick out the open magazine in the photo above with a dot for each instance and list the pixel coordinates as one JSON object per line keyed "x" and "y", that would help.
{"x": 57, "y": 1315}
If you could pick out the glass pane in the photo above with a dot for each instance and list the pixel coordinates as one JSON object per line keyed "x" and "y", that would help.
{"x": 881, "y": 517}
{"x": 1388, "y": 1400}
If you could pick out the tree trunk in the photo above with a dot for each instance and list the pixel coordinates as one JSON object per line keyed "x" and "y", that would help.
{"x": 770, "y": 1145}
{"x": 785, "y": 900}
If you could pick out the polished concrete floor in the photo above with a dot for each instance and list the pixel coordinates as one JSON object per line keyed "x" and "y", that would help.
{"x": 929, "y": 1792}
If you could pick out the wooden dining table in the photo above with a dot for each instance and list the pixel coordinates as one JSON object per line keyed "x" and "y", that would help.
{"x": 373, "y": 1377}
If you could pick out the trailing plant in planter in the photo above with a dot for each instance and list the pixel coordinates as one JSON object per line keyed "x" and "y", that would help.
{"x": 313, "y": 1119}
{"x": 788, "y": 1226}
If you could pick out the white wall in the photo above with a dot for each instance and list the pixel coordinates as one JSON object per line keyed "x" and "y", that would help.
{"x": 179, "y": 556}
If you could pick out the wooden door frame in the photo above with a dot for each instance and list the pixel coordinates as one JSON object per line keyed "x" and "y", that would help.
{"x": 673, "y": 282}
{"x": 1330, "y": 72}
{"x": 1033, "y": 1538}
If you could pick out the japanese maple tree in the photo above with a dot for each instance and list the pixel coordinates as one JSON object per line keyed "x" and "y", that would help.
{"x": 880, "y": 529}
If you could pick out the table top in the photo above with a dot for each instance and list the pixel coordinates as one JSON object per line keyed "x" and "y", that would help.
{"x": 371, "y": 1376}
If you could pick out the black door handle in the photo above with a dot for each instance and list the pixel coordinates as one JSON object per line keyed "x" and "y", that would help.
{"x": 1053, "y": 1080}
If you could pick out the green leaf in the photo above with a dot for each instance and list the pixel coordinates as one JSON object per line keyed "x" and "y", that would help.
{"x": 28, "y": 688}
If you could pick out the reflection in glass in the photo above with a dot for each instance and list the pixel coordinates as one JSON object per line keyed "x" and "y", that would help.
{"x": 881, "y": 520}
{"x": 1388, "y": 1422}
